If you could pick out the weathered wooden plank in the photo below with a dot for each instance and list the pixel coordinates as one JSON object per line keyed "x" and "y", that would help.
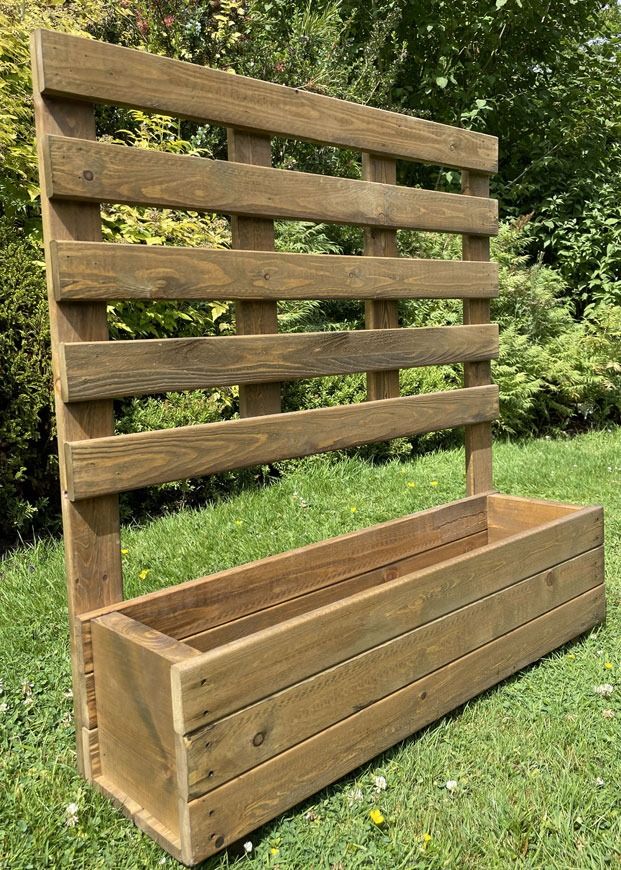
{"x": 384, "y": 313}
{"x": 277, "y": 657}
{"x": 104, "y": 465}
{"x": 100, "y": 172}
{"x": 255, "y": 234}
{"x": 80, "y": 68}
{"x": 137, "y": 744}
{"x": 207, "y": 639}
{"x": 478, "y": 438}
{"x": 197, "y": 605}
{"x": 222, "y": 816}
{"x": 158, "y": 832}
{"x": 219, "y": 752}
{"x": 95, "y": 370}
{"x": 508, "y": 515}
{"x": 102, "y": 271}
{"x": 91, "y": 529}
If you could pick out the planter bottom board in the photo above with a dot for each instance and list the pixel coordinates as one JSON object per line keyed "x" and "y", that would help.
{"x": 207, "y": 731}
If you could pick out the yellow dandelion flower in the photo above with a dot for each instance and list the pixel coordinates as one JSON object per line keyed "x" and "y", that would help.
{"x": 571, "y": 657}
{"x": 608, "y": 665}
{"x": 411, "y": 484}
{"x": 238, "y": 522}
{"x": 376, "y": 817}
{"x": 144, "y": 573}
{"x": 274, "y": 851}
{"x": 434, "y": 482}
{"x": 124, "y": 551}
{"x": 426, "y": 838}
{"x": 353, "y": 509}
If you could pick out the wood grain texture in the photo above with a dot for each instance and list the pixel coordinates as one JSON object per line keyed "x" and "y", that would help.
{"x": 123, "y": 462}
{"x": 91, "y": 529}
{"x": 226, "y": 814}
{"x": 378, "y": 242}
{"x": 137, "y": 744}
{"x": 144, "y": 820}
{"x": 478, "y": 438}
{"x": 70, "y": 66}
{"x": 103, "y": 271}
{"x": 277, "y": 657}
{"x": 221, "y": 751}
{"x": 511, "y": 514}
{"x": 232, "y": 630}
{"x": 200, "y": 604}
{"x": 100, "y": 172}
{"x": 237, "y": 628}
{"x": 255, "y": 234}
{"x": 96, "y": 370}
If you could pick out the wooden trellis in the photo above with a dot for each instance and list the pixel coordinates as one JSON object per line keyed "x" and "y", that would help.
{"x": 208, "y": 708}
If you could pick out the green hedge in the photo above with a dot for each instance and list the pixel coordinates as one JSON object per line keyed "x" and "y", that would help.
{"x": 28, "y": 469}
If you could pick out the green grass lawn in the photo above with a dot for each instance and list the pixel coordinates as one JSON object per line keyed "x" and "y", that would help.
{"x": 536, "y": 762}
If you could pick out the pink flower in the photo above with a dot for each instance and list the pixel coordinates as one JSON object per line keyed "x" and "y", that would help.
{"x": 169, "y": 20}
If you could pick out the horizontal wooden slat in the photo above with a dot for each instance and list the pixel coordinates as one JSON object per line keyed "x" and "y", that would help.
{"x": 219, "y": 752}
{"x": 225, "y": 814}
{"x": 102, "y": 271}
{"x": 277, "y": 657}
{"x": 98, "y": 172}
{"x": 102, "y": 369}
{"x": 78, "y": 68}
{"x": 124, "y": 462}
{"x": 201, "y": 604}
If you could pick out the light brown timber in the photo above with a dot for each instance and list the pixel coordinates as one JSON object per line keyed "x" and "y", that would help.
{"x": 137, "y": 744}
{"x": 143, "y": 819}
{"x": 100, "y": 172}
{"x": 70, "y": 66}
{"x": 91, "y": 528}
{"x": 225, "y": 814}
{"x": 279, "y": 656}
{"x": 255, "y": 234}
{"x": 95, "y": 370}
{"x": 123, "y": 462}
{"x": 478, "y": 438}
{"x": 104, "y": 271}
{"x": 219, "y": 752}
{"x": 378, "y": 242}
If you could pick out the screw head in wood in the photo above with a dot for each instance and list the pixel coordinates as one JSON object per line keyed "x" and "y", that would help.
{"x": 87, "y": 175}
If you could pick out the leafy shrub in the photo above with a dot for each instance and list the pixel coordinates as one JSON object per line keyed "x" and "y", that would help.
{"x": 28, "y": 472}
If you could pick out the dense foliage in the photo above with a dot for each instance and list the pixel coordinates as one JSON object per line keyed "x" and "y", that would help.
{"x": 542, "y": 77}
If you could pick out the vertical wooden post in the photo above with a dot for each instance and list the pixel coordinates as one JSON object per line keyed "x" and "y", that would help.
{"x": 476, "y": 374}
{"x": 91, "y": 527}
{"x": 383, "y": 313}
{"x": 254, "y": 234}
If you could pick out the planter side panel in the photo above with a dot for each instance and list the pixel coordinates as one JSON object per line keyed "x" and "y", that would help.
{"x": 137, "y": 743}
{"x": 243, "y": 740}
{"x": 231, "y": 811}
{"x": 285, "y": 654}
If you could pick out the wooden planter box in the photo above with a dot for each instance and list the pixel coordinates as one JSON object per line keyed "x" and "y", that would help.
{"x": 207, "y": 709}
{"x": 224, "y": 701}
